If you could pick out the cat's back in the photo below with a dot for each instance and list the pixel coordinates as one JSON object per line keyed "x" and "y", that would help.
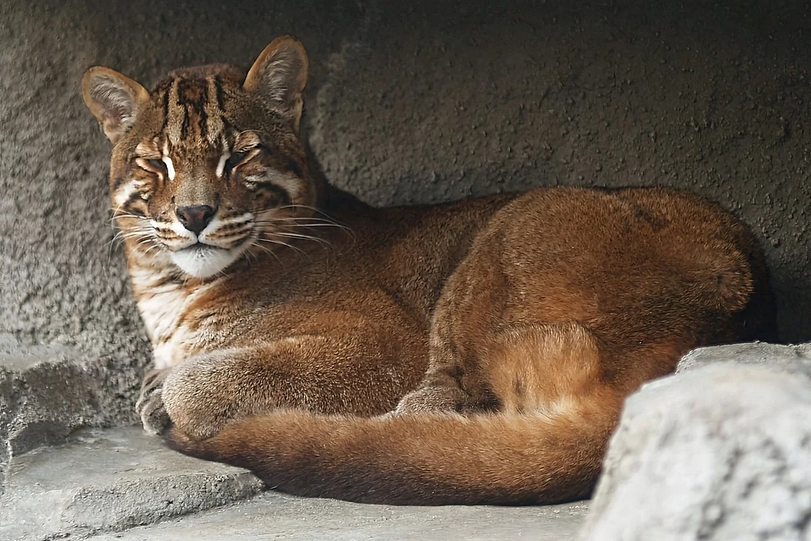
{"x": 590, "y": 253}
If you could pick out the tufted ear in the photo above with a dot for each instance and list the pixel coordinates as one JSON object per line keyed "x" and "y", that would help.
{"x": 113, "y": 99}
{"x": 279, "y": 75}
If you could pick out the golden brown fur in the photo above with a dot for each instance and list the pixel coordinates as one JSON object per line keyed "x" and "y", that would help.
{"x": 473, "y": 352}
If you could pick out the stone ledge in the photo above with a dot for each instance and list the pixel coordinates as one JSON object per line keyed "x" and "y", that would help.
{"x": 792, "y": 359}
{"x": 48, "y": 391}
{"x": 113, "y": 480}
{"x": 279, "y": 516}
{"x": 110, "y": 480}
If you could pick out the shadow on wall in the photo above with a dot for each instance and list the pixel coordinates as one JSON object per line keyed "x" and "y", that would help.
{"x": 416, "y": 102}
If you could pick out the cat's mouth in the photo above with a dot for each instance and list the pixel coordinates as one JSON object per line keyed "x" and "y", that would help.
{"x": 203, "y": 260}
{"x": 201, "y": 247}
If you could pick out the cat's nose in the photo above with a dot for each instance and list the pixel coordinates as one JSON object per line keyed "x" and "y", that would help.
{"x": 195, "y": 218}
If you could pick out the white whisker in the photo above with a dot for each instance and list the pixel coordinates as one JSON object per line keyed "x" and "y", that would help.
{"x": 281, "y": 243}
{"x": 322, "y": 242}
{"x": 269, "y": 251}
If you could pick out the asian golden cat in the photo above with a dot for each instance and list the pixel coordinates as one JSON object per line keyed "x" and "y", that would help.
{"x": 470, "y": 352}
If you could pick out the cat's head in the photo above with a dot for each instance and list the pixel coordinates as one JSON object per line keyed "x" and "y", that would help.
{"x": 210, "y": 164}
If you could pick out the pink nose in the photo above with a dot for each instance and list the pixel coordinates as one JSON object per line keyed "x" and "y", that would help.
{"x": 195, "y": 218}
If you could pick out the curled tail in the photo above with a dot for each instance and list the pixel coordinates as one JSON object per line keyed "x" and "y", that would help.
{"x": 432, "y": 459}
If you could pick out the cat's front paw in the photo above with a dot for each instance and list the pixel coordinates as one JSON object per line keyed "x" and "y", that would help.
{"x": 150, "y": 405}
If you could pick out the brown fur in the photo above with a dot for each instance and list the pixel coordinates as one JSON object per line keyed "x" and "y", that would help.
{"x": 473, "y": 352}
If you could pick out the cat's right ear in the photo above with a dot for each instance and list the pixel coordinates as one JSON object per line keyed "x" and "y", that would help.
{"x": 113, "y": 99}
{"x": 279, "y": 74}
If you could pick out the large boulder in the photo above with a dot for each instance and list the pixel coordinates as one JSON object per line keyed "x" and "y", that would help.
{"x": 718, "y": 452}
{"x": 794, "y": 359}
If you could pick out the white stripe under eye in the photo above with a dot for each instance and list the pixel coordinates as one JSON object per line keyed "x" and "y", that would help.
{"x": 221, "y": 164}
{"x": 170, "y": 167}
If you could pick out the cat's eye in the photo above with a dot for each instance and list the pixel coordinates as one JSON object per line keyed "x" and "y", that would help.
{"x": 153, "y": 165}
{"x": 241, "y": 156}
{"x": 235, "y": 159}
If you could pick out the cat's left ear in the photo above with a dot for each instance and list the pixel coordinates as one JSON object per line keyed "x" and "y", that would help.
{"x": 280, "y": 74}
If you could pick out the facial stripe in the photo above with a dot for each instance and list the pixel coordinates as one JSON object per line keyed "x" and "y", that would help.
{"x": 202, "y": 113}
{"x": 175, "y": 115}
{"x": 117, "y": 183}
{"x": 165, "y": 110}
{"x": 170, "y": 166}
{"x": 185, "y": 105}
{"x": 194, "y": 108}
{"x": 227, "y": 233}
{"x": 289, "y": 182}
{"x": 219, "y": 93}
{"x": 124, "y": 193}
{"x": 241, "y": 219}
{"x": 221, "y": 164}
{"x": 140, "y": 187}
{"x": 184, "y": 125}
{"x": 282, "y": 196}
{"x": 131, "y": 200}
{"x": 287, "y": 186}
{"x": 213, "y": 110}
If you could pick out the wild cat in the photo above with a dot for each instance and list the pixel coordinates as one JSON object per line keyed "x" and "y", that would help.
{"x": 470, "y": 352}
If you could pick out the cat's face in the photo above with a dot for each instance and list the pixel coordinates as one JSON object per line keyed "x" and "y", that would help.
{"x": 209, "y": 165}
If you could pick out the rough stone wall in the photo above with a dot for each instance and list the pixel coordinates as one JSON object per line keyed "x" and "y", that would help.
{"x": 413, "y": 102}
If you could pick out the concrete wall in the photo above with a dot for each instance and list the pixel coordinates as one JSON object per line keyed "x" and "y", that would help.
{"x": 411, "y": 102}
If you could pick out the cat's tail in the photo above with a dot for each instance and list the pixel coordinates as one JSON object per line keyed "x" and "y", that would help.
{"x": 431, "y": 459}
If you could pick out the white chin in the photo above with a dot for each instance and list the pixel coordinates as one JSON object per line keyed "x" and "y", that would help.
{"x": 203, "y": 261}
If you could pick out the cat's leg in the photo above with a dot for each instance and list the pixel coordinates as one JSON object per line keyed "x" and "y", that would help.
{"x": 554, "y": 368}
{"x": 485, "y": 356}
{"x": 149, "y": 406}
{"x": 548, "y": 368}
{"x": 357, "y": 373}
{"x": 469, "y": 310}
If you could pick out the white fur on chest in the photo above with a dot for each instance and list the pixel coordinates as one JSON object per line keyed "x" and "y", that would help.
{"x": 160, "y": 312}
{"x": 161, "y": 308}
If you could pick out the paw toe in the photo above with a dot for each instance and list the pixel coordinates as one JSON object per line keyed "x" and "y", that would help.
{"x": 150, "y": 407}
{"x": 153, "y": 414}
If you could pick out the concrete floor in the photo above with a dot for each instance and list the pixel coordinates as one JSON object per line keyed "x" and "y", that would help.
{"x": 120, "y": 483}
{"x": 278, "y": 516}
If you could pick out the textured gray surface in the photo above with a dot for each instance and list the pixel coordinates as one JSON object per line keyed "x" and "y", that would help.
{"x": 117, "y": 479}
{"x": 47, "y": 391}
{"x": 59, "y": 392}
{"x": 720, "y": 452}
{"x": 408, "y": 102}
{"x": 794, "y": 359}
{"x": 111, "y": 480}
{"x": 277, "y": 516}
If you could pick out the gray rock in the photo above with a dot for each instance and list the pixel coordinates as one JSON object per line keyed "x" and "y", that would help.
{"x": 278, "y": 516}
{"x": 48, "y": 391}
{"x": 110, "y": 480}
{"x": 793, "y": 359}
{"x": 717, "y": 453}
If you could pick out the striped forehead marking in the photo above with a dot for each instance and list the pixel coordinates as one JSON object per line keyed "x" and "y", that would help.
{"x": 213, "y": 109}
{"x": 194, "y": 112}
{"x": 174, "y": 116}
